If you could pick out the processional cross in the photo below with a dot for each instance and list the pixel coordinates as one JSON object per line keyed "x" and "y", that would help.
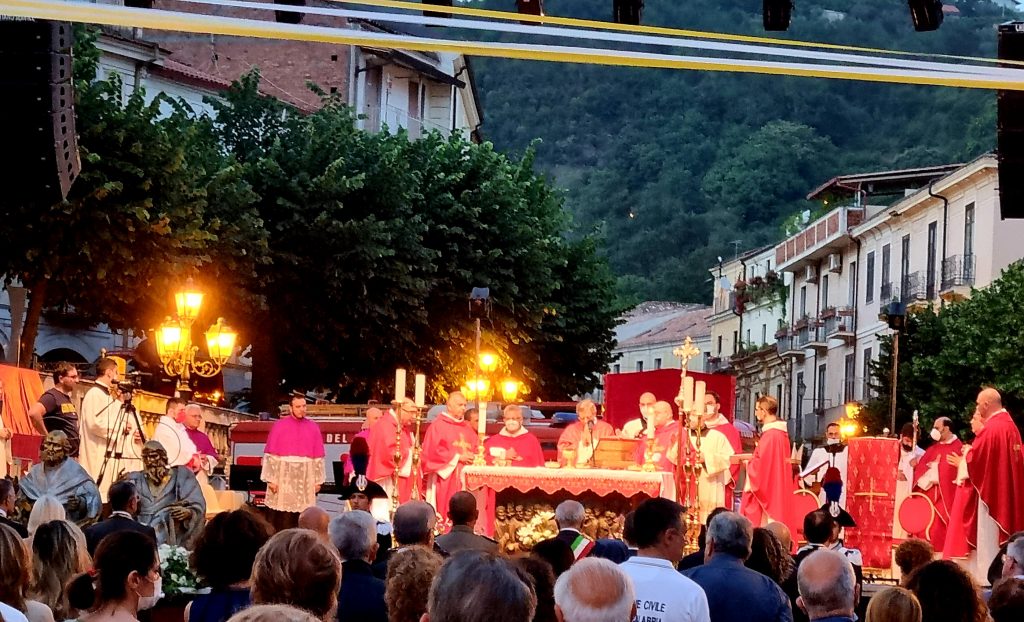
{"x": 686, "y": 352}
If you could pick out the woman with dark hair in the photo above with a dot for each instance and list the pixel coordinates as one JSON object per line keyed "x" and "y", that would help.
{"x": 543, "y": 586}
{"x": 768, "y": 557}
{"x": 947, "y": 593}
{"x": 14, "y": 575}
{"x": 125, "y": 579}
{"x": 223, "y": 558}
{"x": 58, "y": 554}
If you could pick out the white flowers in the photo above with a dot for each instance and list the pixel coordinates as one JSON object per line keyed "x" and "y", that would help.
{"x": 174, "y": 566}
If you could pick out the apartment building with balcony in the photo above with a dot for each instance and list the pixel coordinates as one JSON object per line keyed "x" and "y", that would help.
{"x": 920, "y": 236}
{"x": 930, "y": 249}
{"x": 748, "y": 310}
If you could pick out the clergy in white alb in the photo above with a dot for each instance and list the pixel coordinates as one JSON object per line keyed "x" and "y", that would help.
{"x": 833, "y": 454}
{"x": 107, "y": 430}
{"x": 712, "y": 459}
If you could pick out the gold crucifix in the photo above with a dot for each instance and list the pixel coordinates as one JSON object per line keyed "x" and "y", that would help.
{"x": 871, "y": 494}
{"x": 686, "y": 352}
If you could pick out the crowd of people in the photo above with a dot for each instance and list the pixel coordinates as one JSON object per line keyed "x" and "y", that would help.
{"x": 336, "y": 571}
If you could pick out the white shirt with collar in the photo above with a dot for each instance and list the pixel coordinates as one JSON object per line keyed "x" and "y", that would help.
{"x": 663, "y": 594}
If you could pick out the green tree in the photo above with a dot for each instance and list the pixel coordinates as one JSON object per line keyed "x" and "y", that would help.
{"x": 137, "y": 219}
{"x": 949, "y": 354}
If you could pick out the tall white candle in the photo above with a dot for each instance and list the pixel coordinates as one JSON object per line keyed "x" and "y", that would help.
{"x": 688, "y": 393}
{"x": 399, "y": 385}
{"x": 699, "y": 389}
{"x": 481, "y": 420}
{"x": 421, "y": 390}
{"x": 650, "y": 426}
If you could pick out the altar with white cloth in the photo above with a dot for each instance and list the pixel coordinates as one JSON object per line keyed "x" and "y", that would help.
{"x": 517, "y": 504}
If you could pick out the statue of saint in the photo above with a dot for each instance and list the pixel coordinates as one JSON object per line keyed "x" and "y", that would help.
{"x": 60, "y": 477}
{"x": 170, "y": 500}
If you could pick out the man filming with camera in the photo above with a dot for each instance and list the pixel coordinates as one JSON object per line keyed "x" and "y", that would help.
{"x": 110, "y": 441}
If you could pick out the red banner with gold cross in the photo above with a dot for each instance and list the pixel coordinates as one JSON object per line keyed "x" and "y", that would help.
{"x": 871, "y": 497}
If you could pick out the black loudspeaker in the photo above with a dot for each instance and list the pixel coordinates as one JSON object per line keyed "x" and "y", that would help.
{"x": 926, "y": 14}
{"x": 627, "y": 11}
{"x": 38, "y": 105}
{"x": 776, "y": 14}
{"x": 1010, "y": 127}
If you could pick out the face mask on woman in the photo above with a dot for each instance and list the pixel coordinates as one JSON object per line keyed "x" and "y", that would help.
{"x": 148, "y": 602}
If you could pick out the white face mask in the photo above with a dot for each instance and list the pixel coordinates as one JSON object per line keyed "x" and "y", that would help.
{"x": 832, "y": 441}
{"x": 513, "y": 425}
{"x": 709, "y": 409}
{"x": 148, "y": 602}
{"x": 935, "y": 434}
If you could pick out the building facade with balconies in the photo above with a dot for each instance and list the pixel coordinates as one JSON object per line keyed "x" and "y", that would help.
{"x": 930, "y": 249}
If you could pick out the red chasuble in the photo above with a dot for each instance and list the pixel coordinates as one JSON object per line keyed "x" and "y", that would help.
{"x": 943, "y": 493}
{"x": 731, "y": 433}
{"x": 996, "y": 467}
{"x": 770, "y": 486}
{"x": 382, "y": 442}
{"x": 571, "y": 435}
{"x": 445, "y": 439}
{"x": 522, "y": 450}
{"x": 666, "y": 439}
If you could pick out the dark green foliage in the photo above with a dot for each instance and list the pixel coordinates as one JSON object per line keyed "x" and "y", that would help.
{"x": 702, "y": 159}
{"x": 948, "y": 355}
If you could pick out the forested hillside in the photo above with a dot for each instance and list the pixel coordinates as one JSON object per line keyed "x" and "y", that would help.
{"x": 673, "y": 166}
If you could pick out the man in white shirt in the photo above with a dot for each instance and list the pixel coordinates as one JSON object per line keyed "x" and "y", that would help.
{"x": 662, "y": 593}
{"x": 170, "y": 432}
{"x": 910, "y": 454}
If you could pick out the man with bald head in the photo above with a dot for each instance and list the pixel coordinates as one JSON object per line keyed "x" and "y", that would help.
{"x": 448, "y": 445}
{"x": 413, "y": 524}
{"x": 315, "y": 519}
{"x": 995, "y": 467}
{"x": 595, "y": 589}
{"x": 634, "y": 428}
{"x": 579, "y": 440}
{"x": 781, "y": 531}
{"x": 827, "y": 587}
{"x": 935, "y": 477}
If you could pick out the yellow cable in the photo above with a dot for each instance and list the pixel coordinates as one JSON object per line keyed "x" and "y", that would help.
{"x": 207, "y": 24}
{"x": 675, "y": 32}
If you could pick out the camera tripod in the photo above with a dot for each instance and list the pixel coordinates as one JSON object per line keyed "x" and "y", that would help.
{"x": 117, "y": 438}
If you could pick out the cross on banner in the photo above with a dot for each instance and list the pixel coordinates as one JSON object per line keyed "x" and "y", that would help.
{"x": 871, "y": 494}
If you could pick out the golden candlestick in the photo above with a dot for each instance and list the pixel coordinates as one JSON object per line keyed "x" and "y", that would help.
{"x": 479, "y": 459}
{"x": 649, "y": 466}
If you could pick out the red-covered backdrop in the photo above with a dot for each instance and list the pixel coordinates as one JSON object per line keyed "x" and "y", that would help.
{"x": 622, "y": 391}
{"x": 871, "y": 497}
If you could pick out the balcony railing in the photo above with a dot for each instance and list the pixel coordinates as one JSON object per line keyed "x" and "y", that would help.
{"x": 887, "y": 293}
{"x": 957, "y": 271}
{"x": 914, "y": 288}
{"x": 717, "y": 364}
{"x": 375, "y": 117}
{"x": 841, "y": 321}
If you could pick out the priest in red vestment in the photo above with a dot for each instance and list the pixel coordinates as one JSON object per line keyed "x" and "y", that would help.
{"x": 664, "y": 431}
{"x": 769, "y": 488}
{"x": 995, "y": 466}
{"x": 383, "y": 440}
{"x": 514, "y": 445}
{"x": 448, "y": 444}
{"x": 935, "y": 477}
{"x": 581, "y": 439}
{"x": 715, "y": 420}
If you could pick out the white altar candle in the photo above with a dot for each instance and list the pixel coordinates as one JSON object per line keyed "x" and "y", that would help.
{"x": 699, "y": 389}
{"x": 481, "y": 420}
{"x": 421, "y": 390}
{"x": 650, "y": 425}
{"x": 688, "y": 393}
{"x": 399, "y": 385}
